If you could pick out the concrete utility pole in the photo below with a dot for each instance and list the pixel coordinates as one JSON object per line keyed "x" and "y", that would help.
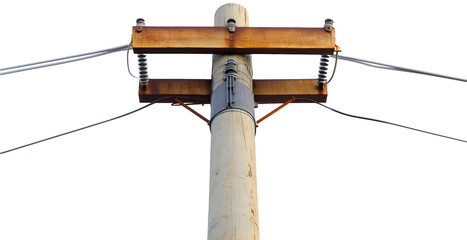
{"x": 233, "y": 204}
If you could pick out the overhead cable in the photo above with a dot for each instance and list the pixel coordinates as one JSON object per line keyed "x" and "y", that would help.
{"x": 380, "y": 121}
{"x": 395, "y": 68}
{"x": 333, "y": 71}
{"x": 92, "y": 125}
{"x": 165, "y": 98}
{"x": 61, "y": 60}
{"x": 127, "y": 59}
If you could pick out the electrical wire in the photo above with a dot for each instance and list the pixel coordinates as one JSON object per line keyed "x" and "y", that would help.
{"x": 165, "y": 98}
{"x": 395, "y": 68}
{"x": 333, "y": 71}
{"x": 61, "y": 60}
{"x": 380, "y": 121}
{"x": 89, "y": 126}
{"x": 53, "y": 64}
{"x": 127, "y": 59}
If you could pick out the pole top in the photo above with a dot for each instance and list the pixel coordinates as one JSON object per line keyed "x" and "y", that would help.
{"x": 233, "y": 11}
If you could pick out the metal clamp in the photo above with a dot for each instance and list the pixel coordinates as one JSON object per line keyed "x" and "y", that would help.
{"x": 337, "y": 49}
{"x": 232, "y": 94}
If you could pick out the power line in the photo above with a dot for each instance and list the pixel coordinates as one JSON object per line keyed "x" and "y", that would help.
{"x": 61, "y": 60}
{"x": 335, "y": 66}
{"x": 395, "y": 68}
{"x": 92, "y": 125}
{"x": 165, "y": 98}
{"x": 128, "y": 61}
{"x": 381, "y": 121}
{"x": 127, "y": 47}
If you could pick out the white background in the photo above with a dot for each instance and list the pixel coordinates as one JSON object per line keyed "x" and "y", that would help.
{"x": 320, "y": 175}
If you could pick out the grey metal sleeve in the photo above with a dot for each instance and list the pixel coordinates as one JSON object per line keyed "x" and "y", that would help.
{"x": 237, "y": 97}
{"x": 232, "y": 94}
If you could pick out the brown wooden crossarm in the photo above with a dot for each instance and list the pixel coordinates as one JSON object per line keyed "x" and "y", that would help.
{"x": 245, "y": 40}
{"x": 198, "y": 91}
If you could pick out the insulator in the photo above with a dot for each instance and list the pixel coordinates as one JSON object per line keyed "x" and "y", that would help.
{"x": 323, "y": 69}
{"x": 328, "y": 24}
{"x": 231, "y": 25}
{"x": 230, "y": 78}
{"x": 230, "y": 66}
{"x": 140, "y": 23}
{"x": 143, "y": 69}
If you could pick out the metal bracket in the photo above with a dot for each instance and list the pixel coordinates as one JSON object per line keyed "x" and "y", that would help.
{"x": 190, "y": 109}
{"x": 232, "y": 94}
{"x": 275, "y": 110}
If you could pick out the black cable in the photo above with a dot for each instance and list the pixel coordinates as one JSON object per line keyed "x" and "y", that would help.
{"x": 380, "y": 121}
{"x": 92, "y": 125}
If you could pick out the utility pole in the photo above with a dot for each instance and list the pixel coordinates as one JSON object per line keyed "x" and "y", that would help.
{"x": 233, "y": 204}
{"x": 233, "y": 94}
